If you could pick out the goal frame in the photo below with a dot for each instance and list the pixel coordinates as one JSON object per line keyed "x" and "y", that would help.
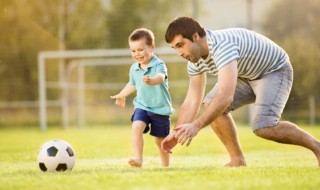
{"x": 89, "y": 58}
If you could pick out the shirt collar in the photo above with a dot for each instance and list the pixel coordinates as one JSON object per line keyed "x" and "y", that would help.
{"x": 209, "y": 38}
{"x": 152, "y": 63}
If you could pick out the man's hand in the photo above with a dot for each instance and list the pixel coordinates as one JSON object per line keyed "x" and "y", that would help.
{"x": 186, "y": 132}
{"x": 169, "y": 142}
{"x": 121, "y": 101}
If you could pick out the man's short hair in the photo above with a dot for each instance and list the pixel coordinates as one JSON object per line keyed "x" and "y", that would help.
{"x": 185, "y": 26}
{"x": 142, "y": 33}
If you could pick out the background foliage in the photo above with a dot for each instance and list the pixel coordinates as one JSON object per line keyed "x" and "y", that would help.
{"x": 31, "y": 26}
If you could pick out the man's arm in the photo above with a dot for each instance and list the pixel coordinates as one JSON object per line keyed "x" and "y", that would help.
{"x": 191, "y": 105}
{"x": 189, "y": 109}
{"x": 227, "y": 80}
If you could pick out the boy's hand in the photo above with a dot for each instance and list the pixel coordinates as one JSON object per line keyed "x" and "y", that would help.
{"x": 147, "y": 79}
{"x": 121, "y": 101}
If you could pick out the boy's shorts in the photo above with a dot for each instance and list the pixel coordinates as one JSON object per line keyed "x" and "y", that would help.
{"x": 160, "y": 124}
{"x": 269, "y": 95}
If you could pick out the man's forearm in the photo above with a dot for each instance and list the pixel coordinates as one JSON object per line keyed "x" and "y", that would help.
{"x": 218, "y": 105}
{"x": 188, "y": 112}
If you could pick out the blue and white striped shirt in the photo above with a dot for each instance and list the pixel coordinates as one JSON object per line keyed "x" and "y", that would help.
{"x": 256, "y": 54}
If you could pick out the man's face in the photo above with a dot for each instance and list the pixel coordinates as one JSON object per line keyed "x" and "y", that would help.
{"x": 186, "y": 48}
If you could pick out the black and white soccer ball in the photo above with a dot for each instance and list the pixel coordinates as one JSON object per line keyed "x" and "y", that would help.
{"x": 56, "y": 155}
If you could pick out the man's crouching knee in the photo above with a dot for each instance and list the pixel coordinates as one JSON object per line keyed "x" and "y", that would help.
{"x": 264, "y": 128}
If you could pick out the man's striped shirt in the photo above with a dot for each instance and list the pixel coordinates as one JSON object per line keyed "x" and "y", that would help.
{"x": 256, "y": 54}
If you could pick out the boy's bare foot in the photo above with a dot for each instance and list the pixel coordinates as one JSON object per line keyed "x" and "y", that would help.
{"x": 135, "y": 163}
{"x": 238, "y": 163}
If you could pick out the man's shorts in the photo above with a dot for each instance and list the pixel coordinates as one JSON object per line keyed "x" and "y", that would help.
{"x": 160, "y": 124}
{"x": 269, "y": 95}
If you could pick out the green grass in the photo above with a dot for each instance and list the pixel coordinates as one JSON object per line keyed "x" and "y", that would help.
{"x": 102, "y": 154}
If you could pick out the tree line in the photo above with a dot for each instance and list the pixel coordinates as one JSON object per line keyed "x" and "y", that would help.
{"x": 30, "y": 26}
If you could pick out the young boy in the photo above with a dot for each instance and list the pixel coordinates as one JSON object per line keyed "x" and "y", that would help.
{"x": 152, "y": 105}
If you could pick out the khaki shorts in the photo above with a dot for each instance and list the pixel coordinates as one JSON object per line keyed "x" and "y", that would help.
{"x": 269, "y": 95}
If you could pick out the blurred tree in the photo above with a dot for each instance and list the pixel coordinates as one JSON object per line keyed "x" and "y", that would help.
{"x": 292, "y": 17}
{"x": 305, "y": 56}
{"x": 85, "y": 24}
{"x": 126, "y": 15}
{"x": 21, "y": 38}
{"x": 31, "y": 26}
{"x": 294, "y": 25}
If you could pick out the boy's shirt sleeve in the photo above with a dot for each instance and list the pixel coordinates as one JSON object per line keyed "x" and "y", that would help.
{"x": 161, "y": 68}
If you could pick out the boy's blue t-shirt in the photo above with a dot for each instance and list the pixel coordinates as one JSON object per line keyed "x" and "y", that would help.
{"x": 154, "y": 98}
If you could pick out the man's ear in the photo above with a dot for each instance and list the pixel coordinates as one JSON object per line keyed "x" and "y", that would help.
{"x": 195, "y": 37}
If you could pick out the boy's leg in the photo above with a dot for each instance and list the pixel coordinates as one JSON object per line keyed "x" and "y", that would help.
{"x": 165, "y": 157}
{"x": 160, "y": 128}
{"x": 137, "y": 142}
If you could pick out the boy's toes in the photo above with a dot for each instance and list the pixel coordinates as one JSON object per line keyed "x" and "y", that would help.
{"x": 134, "y": 163}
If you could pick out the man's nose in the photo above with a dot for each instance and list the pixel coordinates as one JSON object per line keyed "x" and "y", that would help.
{"x": 180, "y": 53}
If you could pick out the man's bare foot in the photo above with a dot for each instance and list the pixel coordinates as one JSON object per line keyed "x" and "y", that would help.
{"x": 135, "y": 163}
{"x": 239, "y": 163}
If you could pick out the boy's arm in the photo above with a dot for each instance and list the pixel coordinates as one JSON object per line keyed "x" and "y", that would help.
{"x": 121, "y": 97}
{"x": 157, "y": 79}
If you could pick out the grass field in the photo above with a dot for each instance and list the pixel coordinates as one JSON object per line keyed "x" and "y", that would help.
{"x": 102, "y": 154}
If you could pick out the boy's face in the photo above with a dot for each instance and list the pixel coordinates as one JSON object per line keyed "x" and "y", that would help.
{"x": 186, "y": 48}
{"x": 140, "y": 51}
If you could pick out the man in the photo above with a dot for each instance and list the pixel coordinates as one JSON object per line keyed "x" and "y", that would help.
{"x": 250, "y": 69}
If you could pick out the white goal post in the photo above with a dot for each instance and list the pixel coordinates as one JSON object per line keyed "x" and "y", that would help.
{"x": 82, "y": 59}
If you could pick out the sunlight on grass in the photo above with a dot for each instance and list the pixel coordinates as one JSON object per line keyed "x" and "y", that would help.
{"x": 102, "y": 153}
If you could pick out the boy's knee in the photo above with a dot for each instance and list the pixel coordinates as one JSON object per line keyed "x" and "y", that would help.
{"x": 138, "y": 126}
{"x": 158, "y": 141}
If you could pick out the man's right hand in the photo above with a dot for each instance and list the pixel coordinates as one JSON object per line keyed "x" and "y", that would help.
{"x": 169, "y": 142}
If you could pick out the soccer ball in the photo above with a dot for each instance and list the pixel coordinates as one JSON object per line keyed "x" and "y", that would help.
{"x": 56, "y": 155}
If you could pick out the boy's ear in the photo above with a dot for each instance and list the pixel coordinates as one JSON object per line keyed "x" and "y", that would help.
{"x": 152, "y": 47}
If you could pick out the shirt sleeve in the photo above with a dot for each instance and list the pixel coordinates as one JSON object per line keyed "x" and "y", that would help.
{"x": 161, "y": 68}
{"x": 225, "y": 54}
{"x": 193, "y": 69}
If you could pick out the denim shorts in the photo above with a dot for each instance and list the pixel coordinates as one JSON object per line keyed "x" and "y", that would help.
{"x": 269, "y": 95}
{"x": 160, "y": 124}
